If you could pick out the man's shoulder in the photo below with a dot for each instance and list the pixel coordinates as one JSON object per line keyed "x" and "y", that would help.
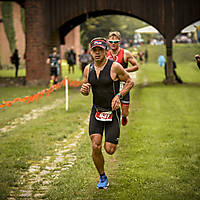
{"x": 115, "y": 65}
{"x": 127, "y": 52}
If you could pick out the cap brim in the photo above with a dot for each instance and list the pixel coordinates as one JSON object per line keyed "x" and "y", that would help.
{"x": 103, "y": 47}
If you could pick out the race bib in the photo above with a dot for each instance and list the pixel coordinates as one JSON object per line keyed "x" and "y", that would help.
{"x": 104, "y": 116}
{"x": 121, "y": 86}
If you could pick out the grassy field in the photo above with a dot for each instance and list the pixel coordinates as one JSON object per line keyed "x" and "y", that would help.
{"x": 158, "y": 155}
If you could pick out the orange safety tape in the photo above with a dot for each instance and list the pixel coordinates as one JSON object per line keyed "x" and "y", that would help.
{"x": 40, "y": 94}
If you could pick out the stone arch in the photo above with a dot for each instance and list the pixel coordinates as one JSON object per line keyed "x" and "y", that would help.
{"x": 69, "y": 25}
{"x": 46, "y": 22}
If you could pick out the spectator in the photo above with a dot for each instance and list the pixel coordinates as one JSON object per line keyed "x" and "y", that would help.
{"x": 71, "y": 59}
{"x": 140, "y": 56}
{"x": 84, "y": 60}
{"x": 161, "y": 61}
{"x": 15, "y": 60}
{"x": 146, "y": 55}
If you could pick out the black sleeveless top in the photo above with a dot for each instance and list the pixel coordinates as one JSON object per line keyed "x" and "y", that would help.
{"x": 104, "y": 89}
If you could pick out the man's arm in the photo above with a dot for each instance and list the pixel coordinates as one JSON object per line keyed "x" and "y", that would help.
{"x": 129, "y": 58}
{"x": 85, "y": 88}
{"x": 124, "y": 76}
{"x": 119, "y": 73}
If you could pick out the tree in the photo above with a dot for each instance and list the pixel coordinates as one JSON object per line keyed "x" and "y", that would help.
{"x": 101, "y": 26}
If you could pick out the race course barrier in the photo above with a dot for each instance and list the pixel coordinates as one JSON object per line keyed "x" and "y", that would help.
{"x": 40, "y": 94}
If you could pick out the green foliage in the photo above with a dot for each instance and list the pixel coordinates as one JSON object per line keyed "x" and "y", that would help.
{"x": 101, "y": 26}
{"x": 7, "y": 13}
{"x": 23, "y": 18}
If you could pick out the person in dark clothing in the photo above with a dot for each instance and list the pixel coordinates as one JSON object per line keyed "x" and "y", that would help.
{"x": 85, "y": 58}
{"x": 15, "y": 60}
{"x": 71, "y": 59}
{"x": 146, "y": 55}
{"x": 140, "y": 56}
{"x": 177, "y": 78}
{"x": 54, "y": 61}
{"x": 103, "y": 76}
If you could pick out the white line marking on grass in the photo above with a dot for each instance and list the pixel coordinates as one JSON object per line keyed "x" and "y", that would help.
{"x": 34, "y": 114}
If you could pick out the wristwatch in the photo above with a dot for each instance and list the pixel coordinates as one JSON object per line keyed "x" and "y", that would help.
{"x": 120, "y": 96}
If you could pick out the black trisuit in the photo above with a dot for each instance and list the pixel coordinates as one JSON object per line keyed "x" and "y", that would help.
{"x": 104, "y": 89}
{"x": 54, "y": 64}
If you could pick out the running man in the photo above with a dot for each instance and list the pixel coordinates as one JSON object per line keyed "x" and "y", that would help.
{"x": 123, "y": 57}
{"x": 104, "y": 76}
{"x": 54, "y": 61}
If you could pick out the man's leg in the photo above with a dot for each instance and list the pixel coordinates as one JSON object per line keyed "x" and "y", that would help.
{"x": 110, "y": 148}
{"x": 16, "y": 72}
{"x": 99, "y": 160}
{"x": 97, "y": 155}
{"x": 125, "y": 112}
{"x": 51, "y": 81}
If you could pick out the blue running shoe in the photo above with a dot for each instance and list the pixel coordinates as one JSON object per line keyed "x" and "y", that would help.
{"x": 103, "y": 184}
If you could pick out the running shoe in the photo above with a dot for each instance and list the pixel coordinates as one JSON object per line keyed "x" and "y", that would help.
{"x": 103, "y": 184}
{"x": 124, "y": 120}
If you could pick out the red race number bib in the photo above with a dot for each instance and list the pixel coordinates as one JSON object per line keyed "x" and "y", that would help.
{"x": 104, "y": 116}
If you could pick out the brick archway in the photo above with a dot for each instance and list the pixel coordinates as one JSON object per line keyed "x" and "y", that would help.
{"x": 47, "y": 22}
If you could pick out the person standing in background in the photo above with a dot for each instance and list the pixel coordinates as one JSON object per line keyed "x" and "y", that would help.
{"x": 161, "y": 61}
{"x": 146, "y": 55}
{"x": 85, "y": 58}
{"x": 15, "y": 60}
{"x": 71, "y": 59}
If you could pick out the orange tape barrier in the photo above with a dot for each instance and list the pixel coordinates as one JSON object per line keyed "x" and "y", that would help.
{"x": 40, "y": 94}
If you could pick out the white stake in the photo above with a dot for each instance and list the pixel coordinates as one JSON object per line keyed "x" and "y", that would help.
{"x": 66, "y": 93}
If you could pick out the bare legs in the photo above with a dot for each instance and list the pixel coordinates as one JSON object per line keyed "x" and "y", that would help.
{"x": 97, "y": 155}
{"x": 125, "y": 110}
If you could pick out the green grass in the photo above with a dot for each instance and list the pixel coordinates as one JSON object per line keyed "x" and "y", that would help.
{"x": 158, "y": 155}
{"x": 181, "y": 52}
{"x": 11, "y": 72}
{"x": 22, "y": 72}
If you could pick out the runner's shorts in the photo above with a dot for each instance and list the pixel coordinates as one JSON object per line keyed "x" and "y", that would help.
{"x": 53, "y": 71}
{"x": 112, "y": 128}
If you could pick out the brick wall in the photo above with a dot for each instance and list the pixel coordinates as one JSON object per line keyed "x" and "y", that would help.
{"x": 37, "y": 71}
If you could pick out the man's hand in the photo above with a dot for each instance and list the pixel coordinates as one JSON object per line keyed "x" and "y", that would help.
{"x": 116, "y": 102}
{"x": 85, "y": 89}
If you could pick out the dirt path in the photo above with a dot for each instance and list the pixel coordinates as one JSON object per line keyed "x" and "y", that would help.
{"x": 34, "y": 114}
{"x": 35, "y": 182}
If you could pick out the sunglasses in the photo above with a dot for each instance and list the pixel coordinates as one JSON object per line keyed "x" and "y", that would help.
{"x": 113, "y": 41}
